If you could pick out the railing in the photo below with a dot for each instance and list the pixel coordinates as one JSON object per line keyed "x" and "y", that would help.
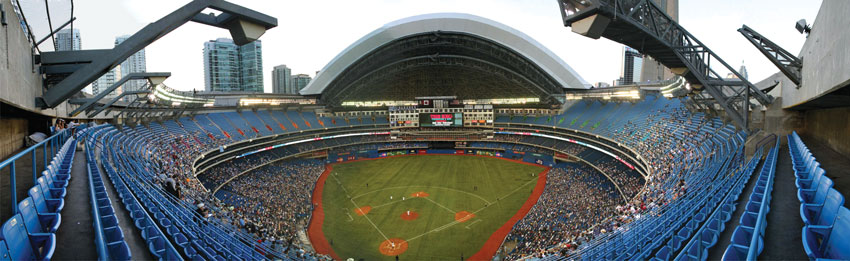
{"x": 758, "y": 230}
{"x": 98, "y": 227}
{"x": 55, "y": 143}
{"x": 733, "y": 192}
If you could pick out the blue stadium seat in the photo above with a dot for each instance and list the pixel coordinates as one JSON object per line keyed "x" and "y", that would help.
{"x": 4, "y": 251}
{"x": 822, "y": 214}
{"x": 829, "y": 242}
{"x": 806, "y": 183}
{"x": 45, "y": 205}
{"x": 53, "y": 190}
{"x": 35, "y": 222}
{"x": 815, "y": 195}
{"x": 23, "y": 245}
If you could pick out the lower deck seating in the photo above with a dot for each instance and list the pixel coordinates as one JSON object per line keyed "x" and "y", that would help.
{"x": 30, "y": 234}
{"x": 827, "y": 222}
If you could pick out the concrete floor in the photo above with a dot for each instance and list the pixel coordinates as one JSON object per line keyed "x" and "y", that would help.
{"x": 75, "y": 237}
{"x": 783, "y": 237}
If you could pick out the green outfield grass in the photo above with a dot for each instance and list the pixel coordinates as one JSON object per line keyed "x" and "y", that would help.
{"x": 493, "y": 189}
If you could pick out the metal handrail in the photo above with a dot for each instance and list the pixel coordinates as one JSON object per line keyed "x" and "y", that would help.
{"x": 98, "y": 227}
{"x": 752, "y": 251}
{"x": 697, "y": 236}
{"x": 57, "y": 140}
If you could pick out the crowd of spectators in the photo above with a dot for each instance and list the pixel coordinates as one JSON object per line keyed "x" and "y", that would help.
{"x": 628, "y": 180}
{"x": 578, "y": 203}
{"x": 667, "y": 139}
{"x": 272, "y": 201}
{"x": 575, "y": 198}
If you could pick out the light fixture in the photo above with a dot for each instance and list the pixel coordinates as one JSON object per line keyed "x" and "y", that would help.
{"x": 802, "y": 27}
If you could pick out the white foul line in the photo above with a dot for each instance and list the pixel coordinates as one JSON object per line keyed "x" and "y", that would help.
{"x": 356, "y": 206}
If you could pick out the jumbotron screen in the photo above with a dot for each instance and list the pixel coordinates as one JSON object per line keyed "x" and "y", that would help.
{"x": 441, "y": 119}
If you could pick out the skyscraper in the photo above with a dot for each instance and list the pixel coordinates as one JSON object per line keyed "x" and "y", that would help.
{"x": 228, "y": 67}
{"x": 107, "y": 80}
{"x": 299, "y": 81}
{"x": 134, "y": 64}
{"x": 66, "y": 41}
{"x": 251, "y": 66}
{"x": 282, "y": 80}
{"x": 631, "y": 68}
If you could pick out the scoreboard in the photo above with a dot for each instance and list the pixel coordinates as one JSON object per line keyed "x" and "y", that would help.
{"x": 441, "y": 119}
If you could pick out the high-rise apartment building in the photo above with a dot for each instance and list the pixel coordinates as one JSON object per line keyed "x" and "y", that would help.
{"x": 134, "y": 64}
{"x": 299, "y": 81}
{"x": 67, "y": 41}
{"x": 228, "y": 67}
{"x": 282, "y": 80}
{"x": 107, "y": 80}
{"x": 631, "y": 68}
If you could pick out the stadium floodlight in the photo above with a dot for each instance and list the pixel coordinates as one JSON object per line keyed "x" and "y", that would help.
{"x": 802, "y": 27}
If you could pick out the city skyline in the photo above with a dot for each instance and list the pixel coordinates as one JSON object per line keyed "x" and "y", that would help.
{"x": 315, "y": 47}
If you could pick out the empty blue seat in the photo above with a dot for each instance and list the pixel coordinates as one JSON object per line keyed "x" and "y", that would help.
{"x": 45, "y": 205}
{"x": 735, "y": 252}
{"x": 119, "y": 250}
{"x": 806, "y": 183}
{"x": 23, "y": 245}
{"x": 822, "y": 214}
{"x": 35, "y": 222}
{"x": 663, "y": 253}
{"x": 4, "y": 251}
{"x": 49, "y": 191}
{"x": 829, "y": 242}
{"x": 817, "y": 194}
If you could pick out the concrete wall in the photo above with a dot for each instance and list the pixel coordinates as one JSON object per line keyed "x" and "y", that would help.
{"x": 13, "y": 131}
{"x": 826, "y": 55}
{"x": 19, "y": 84}
{"x": 829, "y": 126}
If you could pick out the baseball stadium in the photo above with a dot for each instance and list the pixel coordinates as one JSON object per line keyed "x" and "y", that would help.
{"x": 437, "y": 136}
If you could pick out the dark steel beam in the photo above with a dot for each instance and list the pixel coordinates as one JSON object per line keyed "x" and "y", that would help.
{"x": 132, "y": 76}
{"x": 60, "y": 69}
{"x": 243, "y": 23}
{"x": 787, "y": 63}
{"x": 642, "y": 25}
{"x": 79, "y": 100}
{"x": 70, "y": 57}
{"x": 103, "y": 107}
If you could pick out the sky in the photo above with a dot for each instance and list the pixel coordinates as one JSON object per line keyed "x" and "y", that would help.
{"x": 311, "y": 32}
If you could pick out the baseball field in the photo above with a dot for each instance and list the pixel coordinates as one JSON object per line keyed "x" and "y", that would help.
{"x": 428, "y": 207}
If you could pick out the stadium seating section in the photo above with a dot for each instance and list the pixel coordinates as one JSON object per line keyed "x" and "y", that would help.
{"x": 697, "y": 165}
{"x": 31, "y": 232}
{"x": 827, "y": 221}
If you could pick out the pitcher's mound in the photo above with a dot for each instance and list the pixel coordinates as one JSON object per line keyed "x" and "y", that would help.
{"x": 409, "y": 215}
{"x": 361, "y": 211}
{"x": 420, "y": 194}
{"x": 463, "y": 216}
{"x": 393, "y": 247}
